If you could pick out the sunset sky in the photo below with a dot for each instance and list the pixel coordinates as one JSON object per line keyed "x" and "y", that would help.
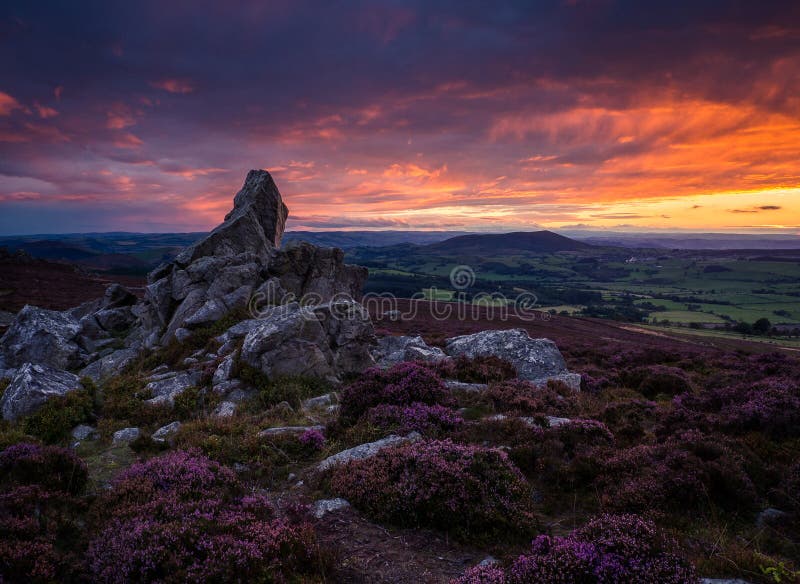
{"x": 597, "y": 114}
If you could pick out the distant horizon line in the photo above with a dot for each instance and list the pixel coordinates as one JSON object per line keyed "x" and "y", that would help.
{"x": 573, "y": 230}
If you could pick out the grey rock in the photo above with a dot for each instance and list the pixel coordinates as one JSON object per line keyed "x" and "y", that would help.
{"x": 536, "y": 360}
{"x": 125, "y": 436}
{"x": 554, "y": 422}
{"x": 324, "y": 506}
{"x": 255, "y": 224}
{"x": 350, "y": 334}
{"x": 166, "y": 433}
{"x": 304, "y": 269}
{"x": 489, "y": 561}
{"x": 321, "y": 401}
{"x": 32, "y": 386}
{"x": 224, "y": 370}
{"x": 110, "y": 365}
{"x": 453, "y": 385}
{"x": 396, "y": 349}
{"x": 368, "y": 450}
{"x": 289, "y": 340}
{"x": 44, "y": 337}
{"x": 288, "y": 430}
{"x": 166, "y": 390}
{"x": 233, "y": 387}
{"x": 770, "y": 516}
{"x": 225, "y": 409}
{"x": 322, "y": 341}
{"x": 84, "y": 432}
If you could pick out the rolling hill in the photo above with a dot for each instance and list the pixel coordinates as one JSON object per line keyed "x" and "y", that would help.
{"x": 508, "y": 243}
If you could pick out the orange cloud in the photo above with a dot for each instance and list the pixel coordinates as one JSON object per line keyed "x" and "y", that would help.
{"x": 174, "y": 85}
{"x": 44, "y": 111}
{"x": 127, "y": 140}
{"x": 7, "y": 104}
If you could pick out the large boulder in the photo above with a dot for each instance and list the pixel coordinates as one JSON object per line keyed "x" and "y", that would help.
{"x": 536, "y": 360}
{"x": 32, "y": 386}
{"x": 239, "y": 266}
{"x": 326, "y": 340}
{"x": 45, "y": 337}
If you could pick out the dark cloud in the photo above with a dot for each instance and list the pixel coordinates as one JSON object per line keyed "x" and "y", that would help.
{"x": 165, "y": 105}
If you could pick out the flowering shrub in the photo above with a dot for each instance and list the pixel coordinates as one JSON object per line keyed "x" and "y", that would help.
{"x": 688, "y": 471}
{"x": 216, "y": 540}
{"x": 629, "y": 419}
{"x": 563, "y": 455}
{"x": 313, "y": 439}
{"x": 525, "y": 398}
{"x": 770, "y": 406}
{"x": 403, "y": 384}
{"x": 469, "y": 491}
{"x": 416, "y": 417}
{"x": 478, "y": 369}
{"x": 39, "y": 532}
{"x": 608, "y": 549}
{"x": 653, "y": 380}
{"x": 182, "y": 517}
{"x": 50, "y": 467}
{"x": 491, "y": 574}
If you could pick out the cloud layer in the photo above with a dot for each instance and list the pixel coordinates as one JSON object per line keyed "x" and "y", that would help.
{"x": 389, "y": 114}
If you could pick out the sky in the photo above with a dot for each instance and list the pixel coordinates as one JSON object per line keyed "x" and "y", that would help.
{"x": 381, "y": 114}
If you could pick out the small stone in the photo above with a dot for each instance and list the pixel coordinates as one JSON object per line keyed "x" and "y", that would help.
{"x": 289, "y": 430}
{"x": 325, "y": 506}
{"x": 224, "y": 410}
{"x": 770, "y": 516}
{"x": 125, "y": 436}
{"x": 321, "y": 401}
{"x": 165, "y": 433}
{"x": 84, "y": 432}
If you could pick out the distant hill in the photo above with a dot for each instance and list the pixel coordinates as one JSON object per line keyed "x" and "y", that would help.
{"x": 508, "y": 243}
{"x": 351, "y": 239}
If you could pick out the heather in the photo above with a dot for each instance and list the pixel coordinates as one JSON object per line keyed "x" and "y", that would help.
{"x": 608, "y": 549}
{"x": 417, "y": 417}
{"x": 40, "y": 513}
{"x": 469, "y": 491}
{"x": 183, "y": 517}
{"x": 400, "y": 385}
{"x": 478, "y": 369}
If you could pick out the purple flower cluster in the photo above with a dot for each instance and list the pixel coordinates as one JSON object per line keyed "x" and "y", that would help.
{"x": 313, "y": 439}
{"x": 525, "y": 398}
{"x": 51, "y": 467}
{"x": 418, "y": 417}
{"x": 771, "y": 406}
{"x": 687, "y": 471}
{"x": 469, "y": 491}
{"x": 403, "y": 384}
{"x": 182, "y": 517}
{"x": 608, "y": 550}
{"x": 39, "y": 510}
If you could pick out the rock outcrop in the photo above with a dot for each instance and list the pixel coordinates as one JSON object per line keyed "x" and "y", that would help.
{"x": 326, "y": 340}
{"x": 32, "y": 386}
{"x": 44, "y": 337}
{"x": 536, "y": 360}
{"x": 239, "y": 266}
